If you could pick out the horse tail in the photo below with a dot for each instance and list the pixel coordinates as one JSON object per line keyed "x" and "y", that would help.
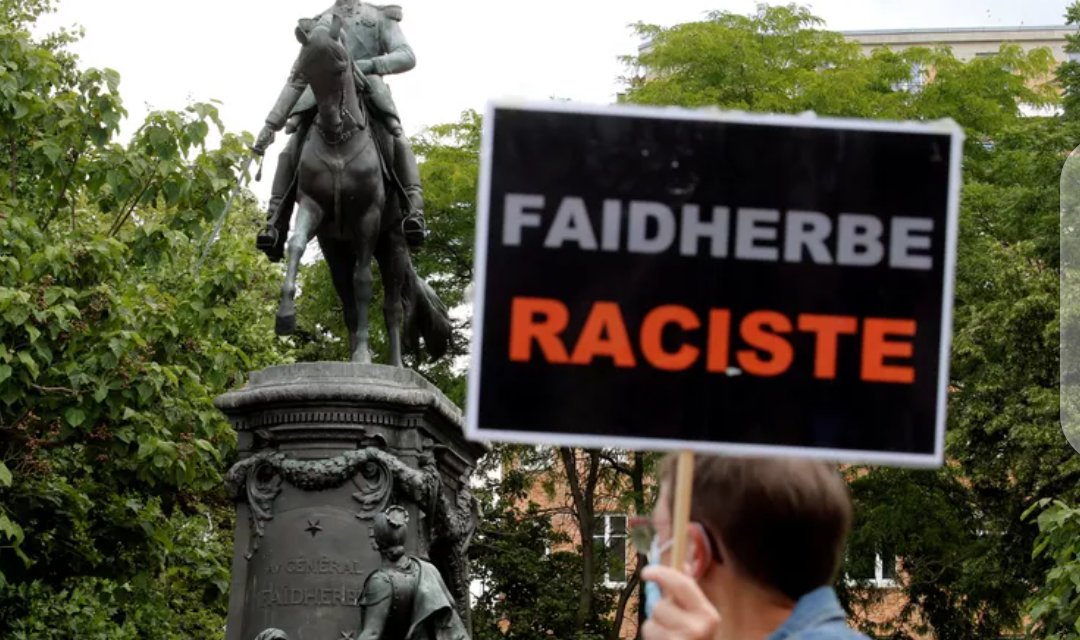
{"x": 425, "y": 317}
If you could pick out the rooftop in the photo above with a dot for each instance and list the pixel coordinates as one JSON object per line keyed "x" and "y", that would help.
{"x": 945, "y": 31}
{"x": 955, "y": 30}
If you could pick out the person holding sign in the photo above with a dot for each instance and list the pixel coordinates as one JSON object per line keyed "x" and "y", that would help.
{"x": 765, "y": 541}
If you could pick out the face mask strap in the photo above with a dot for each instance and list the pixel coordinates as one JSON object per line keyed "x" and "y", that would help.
{"x": 656, "y": 550}
{"x": 711, "y": 545}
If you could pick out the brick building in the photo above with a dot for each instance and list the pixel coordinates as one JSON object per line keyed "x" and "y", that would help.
{"x": 618, "y": 559}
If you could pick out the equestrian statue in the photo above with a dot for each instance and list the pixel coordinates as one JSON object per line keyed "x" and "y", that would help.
{"x": 351, "y": 170}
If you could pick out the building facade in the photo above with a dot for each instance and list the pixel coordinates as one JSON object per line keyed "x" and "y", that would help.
{"x": 876, "y": 576}
{"x": 968, "y": 43}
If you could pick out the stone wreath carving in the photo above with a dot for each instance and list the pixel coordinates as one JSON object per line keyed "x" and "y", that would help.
{"x": 456, "y": 520}
{"x": 374, "y": 482}
{"x": 263, "y": 485}
{"x": 258, "y": 480}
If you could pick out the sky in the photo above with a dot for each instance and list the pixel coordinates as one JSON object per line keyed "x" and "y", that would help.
{"x": 171, "y": 53}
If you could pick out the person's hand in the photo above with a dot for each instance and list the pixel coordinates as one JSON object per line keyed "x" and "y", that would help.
{"x": 265, "y": 139}
{"x": 684, "y": 613}
{"x": 292, "y": 124}
{"x": 367, "y": 67}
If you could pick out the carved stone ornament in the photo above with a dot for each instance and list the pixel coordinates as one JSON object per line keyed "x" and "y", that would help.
{"x": 455, "y": 523}
{"x": 374, "y": 472}
{"x": 324, "y": 448}
{"x": 263, "y": 485}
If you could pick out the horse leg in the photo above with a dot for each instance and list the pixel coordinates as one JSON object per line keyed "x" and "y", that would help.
{"x": 393, "y": 267}
{"x": 307, "y": 220}
{"x": 365, "y": 235}
{"x": 342, "y": 262}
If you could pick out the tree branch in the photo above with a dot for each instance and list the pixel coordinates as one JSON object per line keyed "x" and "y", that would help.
{"x": 590, "y": 482}
{"x": 121, "y": 219}
{"x": 616, "y": 465}
{"x": 14, "y": 166}
{"x": 63, "y": 192}
{"x": 55, "y": 390}
{"x": 570, "y": 464}
{"x": 624, "y": 599}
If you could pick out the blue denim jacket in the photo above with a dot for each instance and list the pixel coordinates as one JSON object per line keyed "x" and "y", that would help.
{"x": 817, "y": 616}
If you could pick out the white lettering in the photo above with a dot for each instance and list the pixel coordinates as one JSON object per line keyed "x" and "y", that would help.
{"x": 571, "y": 224}
{"x": 847, "y": 239}
{"x": 751, "y": 228}
{"x": 859, "y": 240}
{"x": 612, "y": 225}
{"x": 516, "y": 216}
{"x": 902, "y": 240}
{"x": 640, "y": 214}
{"x": 808, "y": 229}
{"x": 693, "y": 230}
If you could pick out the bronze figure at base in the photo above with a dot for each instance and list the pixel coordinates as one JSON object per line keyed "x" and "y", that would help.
{"x": 404, "y": 599}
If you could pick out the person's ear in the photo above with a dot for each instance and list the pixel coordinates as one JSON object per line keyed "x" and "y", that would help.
{"x": 699, "y": 557}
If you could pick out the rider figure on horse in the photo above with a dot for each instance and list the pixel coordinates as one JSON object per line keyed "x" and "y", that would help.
{"x": 373, "y": 37}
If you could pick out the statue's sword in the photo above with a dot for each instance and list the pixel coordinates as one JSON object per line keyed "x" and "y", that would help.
{"x": 225, "y": 211}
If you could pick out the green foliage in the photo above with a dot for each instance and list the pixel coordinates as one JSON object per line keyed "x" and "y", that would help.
{"x": 530, "y": 571}
{"x": 111, "y": 351}
{"x": 778, "y": 60}
{"x": 1055, "y": 608}
{"x": 1068, "y": 74}
{"x": 956, "y": 530}
{"x": 184, "y": 601}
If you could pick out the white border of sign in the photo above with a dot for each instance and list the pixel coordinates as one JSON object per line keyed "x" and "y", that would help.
{"x": 941, "y": 127}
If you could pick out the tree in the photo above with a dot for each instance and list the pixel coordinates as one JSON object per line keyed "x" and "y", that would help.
{"x": 532, "y": 571}
{"x": 1004, "y": 436}
{"x": 111, "y": 352}
{"x": 778, "y": 60}
{"x": 1055, "y": 608}
{"x": 638, "y": 471}
{"x": 956, "y": 530}
{"x": 1068, "y": 74}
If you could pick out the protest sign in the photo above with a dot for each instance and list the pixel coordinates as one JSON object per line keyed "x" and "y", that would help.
{"x": 673, "y": 279}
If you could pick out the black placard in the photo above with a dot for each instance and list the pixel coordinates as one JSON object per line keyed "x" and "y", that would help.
{"x": 671, "y": 279}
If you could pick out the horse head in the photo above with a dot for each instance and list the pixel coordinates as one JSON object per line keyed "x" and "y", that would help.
{"x": 327, "y": 66}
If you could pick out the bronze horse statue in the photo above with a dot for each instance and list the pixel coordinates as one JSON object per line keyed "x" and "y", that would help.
{"x": 346, "y": 201}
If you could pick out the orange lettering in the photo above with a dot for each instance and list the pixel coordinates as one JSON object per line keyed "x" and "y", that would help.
{"x": 652, "y": 330}
{"x": 780, "y": 352}
{"x": 719, "y": 330}
{"x": 876, "y": 348}
{"x": 828, "y": 330}
{"x": 526, "y": 327}
{"x": 604, "y": 319}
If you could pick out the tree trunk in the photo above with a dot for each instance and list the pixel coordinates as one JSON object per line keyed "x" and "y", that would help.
{"x": 583, "y": 496}
{"x": 637, "y": 478}
{"x": 635, "y": 471}
{"x": 624, "y": 599}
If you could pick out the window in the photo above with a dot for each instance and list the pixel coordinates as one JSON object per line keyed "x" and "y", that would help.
{"x": 609, "y": 541}
{"x": 915, "y": 81}
{"x": 917, "y": 75}
{"x": 1073, "y": 56}
{"x": 536, "y": 459}
{"x": 875, "y": 570}
{"x": 986, "y": 54}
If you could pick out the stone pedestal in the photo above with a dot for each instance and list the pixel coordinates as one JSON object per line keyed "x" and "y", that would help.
{"x": 323, "y": 448}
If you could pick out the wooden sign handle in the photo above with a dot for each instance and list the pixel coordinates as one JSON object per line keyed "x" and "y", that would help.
{"x": 684, "y": 485}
